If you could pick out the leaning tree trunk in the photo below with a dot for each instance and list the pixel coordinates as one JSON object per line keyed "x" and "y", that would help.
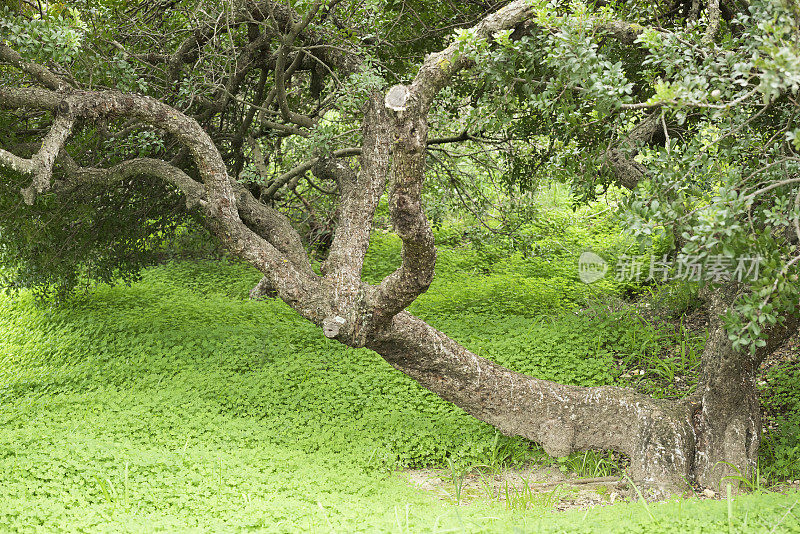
{"x": 657, "y": 435}
{"x": 713, "y": 434}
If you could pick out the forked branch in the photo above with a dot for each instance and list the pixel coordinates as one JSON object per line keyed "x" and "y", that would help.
{"x": 40, "y": 166}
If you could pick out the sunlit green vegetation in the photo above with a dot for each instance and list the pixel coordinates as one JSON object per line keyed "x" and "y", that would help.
{"x": 177, "y": 404}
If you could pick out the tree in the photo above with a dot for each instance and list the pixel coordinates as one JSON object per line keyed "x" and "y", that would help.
{"x": 691, "y": 106}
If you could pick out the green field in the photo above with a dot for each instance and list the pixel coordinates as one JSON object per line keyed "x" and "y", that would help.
{"x": 178, "y": 405}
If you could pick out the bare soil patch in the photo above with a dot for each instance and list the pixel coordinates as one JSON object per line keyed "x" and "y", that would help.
{"x": 526, "y": 488}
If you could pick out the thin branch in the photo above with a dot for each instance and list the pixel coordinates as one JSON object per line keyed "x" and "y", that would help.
{"x": 303, "y": 168}
{"x": 774, "y": 185}
{"x": 280, "y": 85}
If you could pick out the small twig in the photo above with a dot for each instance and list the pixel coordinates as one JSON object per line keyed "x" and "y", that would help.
{"x": 615, "y": 481}
{"x": 784, "y": 516}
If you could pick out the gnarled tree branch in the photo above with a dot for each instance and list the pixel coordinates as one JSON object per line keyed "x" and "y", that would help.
{"x": 40, "y": 166}
{"x": 294, "y": 284}
{"x": 619, "y": 158}
{"x": 415, "y": 274}
{"x": 38, "y": 72}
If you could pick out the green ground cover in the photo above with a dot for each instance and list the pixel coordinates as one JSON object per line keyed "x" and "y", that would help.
{"x": 178, "y": 405}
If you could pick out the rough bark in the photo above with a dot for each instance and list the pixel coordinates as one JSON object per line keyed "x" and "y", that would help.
{"x": 727, "y": 415}
{"x": 38, "y": 72}
{"x": 656, "y": 434}
{"x": 726, "y": 408}
{"x": 416, "y": 271}
{"x": 350, "y": 319}
{"x": 620, "y": 158}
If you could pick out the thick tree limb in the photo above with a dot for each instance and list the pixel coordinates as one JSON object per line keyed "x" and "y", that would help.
{"x": 294, "y": 285}
{"x": 360, "y": 195}
{"x": 714, "y": 15}
{"x": 41, "y": 74}
{"x": 726, "y": 401}
{"x": 656, "y": 434}
{"x": 415, "y": 274}
{"x": 273, "y": 226}
{"x": 29, "y": 97}
{"x": 622, "y": 31}
{"x": 264, "y": 220}
{"x": 619, "y": 158}
{"x": 441, "y": 66}
{"x": 77, "y": 176}
{"x": 15, "y": 163}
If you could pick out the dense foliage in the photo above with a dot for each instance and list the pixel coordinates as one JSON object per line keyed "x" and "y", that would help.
{"x": 718, "y": 168}
{"x": 178, "y": 404}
